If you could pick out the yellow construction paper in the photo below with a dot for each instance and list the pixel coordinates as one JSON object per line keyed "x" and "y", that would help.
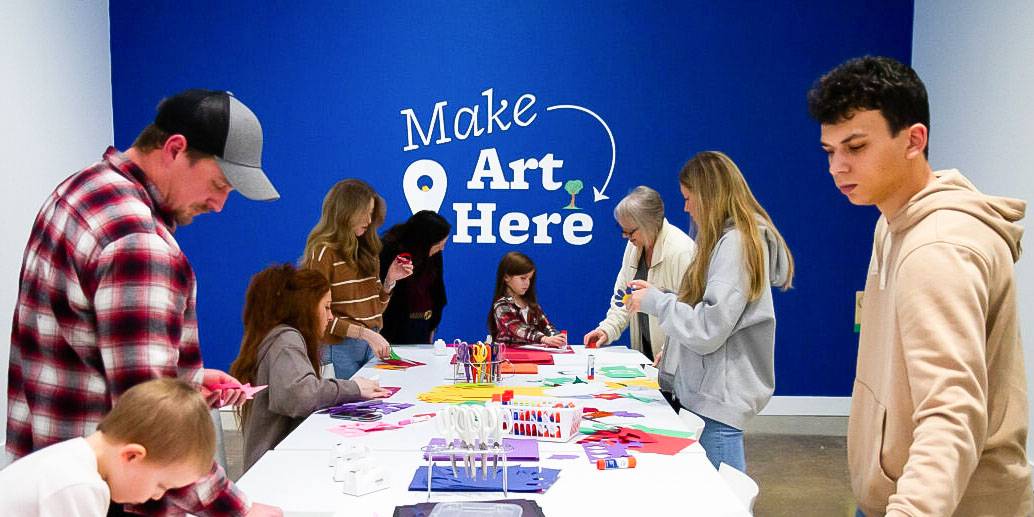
{"x": 457, "y": 393}
{"x": 642, "y": 383}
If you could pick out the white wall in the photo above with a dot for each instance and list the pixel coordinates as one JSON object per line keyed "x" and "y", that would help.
{"x": 977, "y": 60}
{"x": 55, "y": 101}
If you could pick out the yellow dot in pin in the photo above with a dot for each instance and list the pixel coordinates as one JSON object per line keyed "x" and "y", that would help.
{"x": 425, "y": 188}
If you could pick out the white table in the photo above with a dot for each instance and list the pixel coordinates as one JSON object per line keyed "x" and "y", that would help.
{"x": 297, "y": 477}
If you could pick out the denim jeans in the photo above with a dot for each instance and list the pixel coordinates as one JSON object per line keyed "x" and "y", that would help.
{"x": 723, "y": 444}
{"x": 349, "y": 356}
{"x": 858, "y": 513}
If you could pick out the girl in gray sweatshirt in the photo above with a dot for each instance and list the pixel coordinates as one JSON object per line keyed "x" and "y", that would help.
{"x": 285, "y": 313}
{"x": 719, "y": 358}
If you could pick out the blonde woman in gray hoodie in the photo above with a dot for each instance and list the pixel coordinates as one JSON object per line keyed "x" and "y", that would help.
{"x": 718, "y": 361}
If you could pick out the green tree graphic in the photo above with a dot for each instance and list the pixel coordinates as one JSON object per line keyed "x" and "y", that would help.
{"x": 573, "y": 187}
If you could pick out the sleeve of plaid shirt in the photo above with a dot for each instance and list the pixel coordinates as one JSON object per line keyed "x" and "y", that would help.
{"x": 507, "y": 316}
{"x": 145, "y": 330}
{"x": 548, "y": 328}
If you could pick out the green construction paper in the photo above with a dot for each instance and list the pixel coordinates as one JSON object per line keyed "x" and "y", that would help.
{"x": 665, "y": 432}
{"x": 621, "y": 372}
{"x": 578, "y": 380}
{"x": 640, "y": 399}
{"x": 593, "y": 427}
{"x": 557, "y": 381}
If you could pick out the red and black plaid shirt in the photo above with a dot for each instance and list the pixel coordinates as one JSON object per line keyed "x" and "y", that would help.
{"x": 513, "y": 329}
{"x": 106, "y": 300}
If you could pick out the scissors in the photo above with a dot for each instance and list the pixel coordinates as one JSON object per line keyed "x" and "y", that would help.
{"x": 463, "y": 357}
{"x": 359, "y": 415}
{"x": 489, "y": 417}
{"x": 444, "y": 424}
{"x": 480, "y": 354}
{"x": 465, "y": 424}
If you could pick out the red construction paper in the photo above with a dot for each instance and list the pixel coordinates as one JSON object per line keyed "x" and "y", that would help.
{"x": 527, "y": 356}
{"x": 663, "y": 444}
{"x": 401, "y": 362}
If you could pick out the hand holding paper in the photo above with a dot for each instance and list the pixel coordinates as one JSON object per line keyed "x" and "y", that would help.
{"x": 220, "y": 389}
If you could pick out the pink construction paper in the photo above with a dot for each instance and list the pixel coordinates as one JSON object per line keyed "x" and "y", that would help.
{"x": 248, "y": 389}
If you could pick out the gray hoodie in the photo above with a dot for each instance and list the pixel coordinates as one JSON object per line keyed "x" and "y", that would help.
{"x": 294, "y": 392}
{"x": 719, "y": 356}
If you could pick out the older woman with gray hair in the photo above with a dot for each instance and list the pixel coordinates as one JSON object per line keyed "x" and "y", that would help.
{"x": 657, "y": 252}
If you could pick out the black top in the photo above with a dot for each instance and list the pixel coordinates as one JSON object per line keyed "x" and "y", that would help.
{"x": 412, "y": 294}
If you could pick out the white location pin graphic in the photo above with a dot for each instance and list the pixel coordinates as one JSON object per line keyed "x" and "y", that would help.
{"x": 425, "y": 197}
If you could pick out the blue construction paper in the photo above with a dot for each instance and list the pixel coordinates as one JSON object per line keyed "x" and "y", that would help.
{"x": 520, "y": 479}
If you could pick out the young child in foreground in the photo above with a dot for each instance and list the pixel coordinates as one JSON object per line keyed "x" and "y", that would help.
{"x": 158, "y": 436}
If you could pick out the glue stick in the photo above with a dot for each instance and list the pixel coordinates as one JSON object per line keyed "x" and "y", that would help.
{"x": 627, "y": 462}
{"x": 590, "y": 367}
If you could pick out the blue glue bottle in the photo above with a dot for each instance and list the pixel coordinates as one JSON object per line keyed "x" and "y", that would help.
{"x": 627, "y": 462}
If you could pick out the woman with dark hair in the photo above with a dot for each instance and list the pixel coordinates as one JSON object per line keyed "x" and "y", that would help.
{"x": 415, "y": 309}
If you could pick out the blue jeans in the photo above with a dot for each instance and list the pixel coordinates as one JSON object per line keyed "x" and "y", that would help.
{"x": 723, "y": 444}
{"x": 349, "y": 356}
{"x": 858, "y": 513}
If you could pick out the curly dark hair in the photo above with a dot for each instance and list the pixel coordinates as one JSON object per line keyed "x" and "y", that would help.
{"x": 870, "y": 83}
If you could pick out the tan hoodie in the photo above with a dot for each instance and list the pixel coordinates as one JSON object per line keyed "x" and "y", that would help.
{"x": 939, "y": 408}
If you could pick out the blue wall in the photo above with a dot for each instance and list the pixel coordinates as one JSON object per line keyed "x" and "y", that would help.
{"x": 329, "y": 81}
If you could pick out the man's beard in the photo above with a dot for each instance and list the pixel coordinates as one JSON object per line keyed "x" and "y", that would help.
{"x": 185, "y": 217}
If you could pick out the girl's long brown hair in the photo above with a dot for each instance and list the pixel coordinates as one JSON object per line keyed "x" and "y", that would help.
{"x": 344, "y": 205}
{"x": 724, "y": 195}
{"x": 280, "y": 295}
{"x": 513, "y": 263}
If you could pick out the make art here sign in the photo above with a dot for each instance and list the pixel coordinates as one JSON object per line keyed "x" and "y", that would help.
{"x": 426, "y": 182}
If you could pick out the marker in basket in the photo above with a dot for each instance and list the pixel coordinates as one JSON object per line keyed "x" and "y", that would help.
{"x": 626, "y": 462}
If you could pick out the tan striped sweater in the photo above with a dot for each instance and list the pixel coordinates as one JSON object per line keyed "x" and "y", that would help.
{"x": 355, "y": 299}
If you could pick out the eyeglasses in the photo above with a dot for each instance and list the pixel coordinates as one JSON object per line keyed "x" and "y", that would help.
{"x": 627, "y": 234}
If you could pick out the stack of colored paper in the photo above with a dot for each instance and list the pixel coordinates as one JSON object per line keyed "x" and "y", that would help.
{"x": 458, "y": 393}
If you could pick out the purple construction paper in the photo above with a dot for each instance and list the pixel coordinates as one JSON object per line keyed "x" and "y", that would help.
{"x": 603, "y": 450}
{"x": 626, "y": 414}
{"x": 563, "y": 457}
{"x": 523, "y": 450}
{"x": 366, "y": 406}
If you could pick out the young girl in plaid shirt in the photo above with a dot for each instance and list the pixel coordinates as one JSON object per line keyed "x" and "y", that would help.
{"x": 515, "y": 318}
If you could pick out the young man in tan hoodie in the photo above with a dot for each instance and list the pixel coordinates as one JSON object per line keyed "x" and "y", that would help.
{"x": 938, "y": 419}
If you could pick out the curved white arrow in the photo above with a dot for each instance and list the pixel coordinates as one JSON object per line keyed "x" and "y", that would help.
{"x": 597, "y": 194}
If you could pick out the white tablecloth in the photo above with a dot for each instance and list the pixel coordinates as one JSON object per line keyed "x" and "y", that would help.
{"x": 297, "y": 477}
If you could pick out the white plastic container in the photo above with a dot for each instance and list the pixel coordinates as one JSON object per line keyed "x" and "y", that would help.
{"x": 543, "y": 418}
{"x": 475, "y": 509}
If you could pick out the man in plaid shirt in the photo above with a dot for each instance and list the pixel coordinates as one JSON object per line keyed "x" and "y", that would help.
{"x": 106, "y": 296}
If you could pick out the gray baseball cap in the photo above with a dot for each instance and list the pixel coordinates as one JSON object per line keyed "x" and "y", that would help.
{"x": 215, "y": 122}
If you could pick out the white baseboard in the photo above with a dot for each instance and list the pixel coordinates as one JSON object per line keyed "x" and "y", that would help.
{"x": 808, "y": 406}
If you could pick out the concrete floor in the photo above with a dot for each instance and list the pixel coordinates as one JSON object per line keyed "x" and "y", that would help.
{"x": 803, "y": 474}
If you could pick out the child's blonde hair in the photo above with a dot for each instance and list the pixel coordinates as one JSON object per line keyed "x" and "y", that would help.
{"x": 169, "y": 418}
